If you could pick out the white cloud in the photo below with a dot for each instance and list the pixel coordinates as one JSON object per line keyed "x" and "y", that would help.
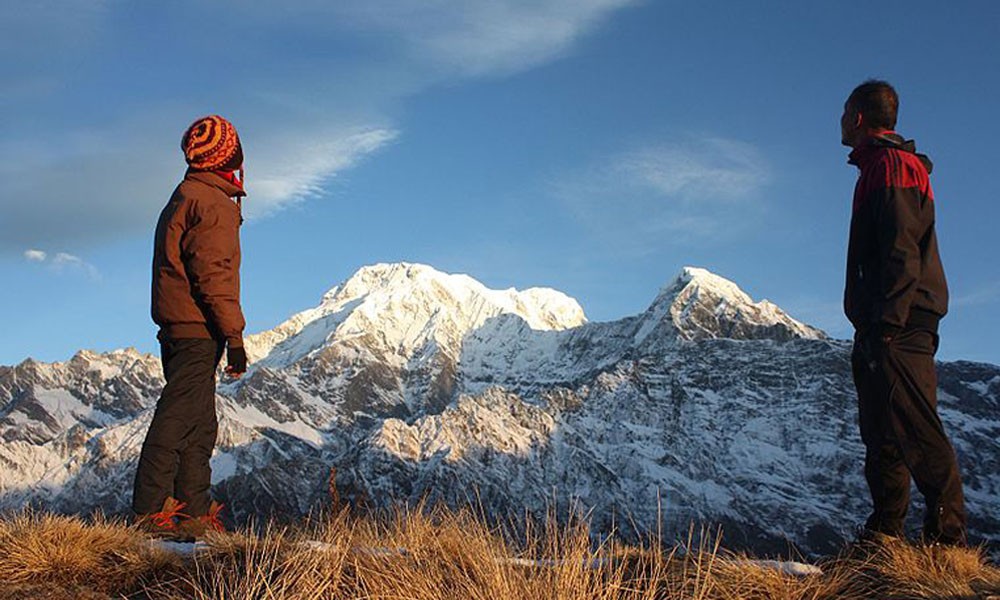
{"x": 680, "y": 192}
{"x": 304, "y": 117}
{"x": 293, "y": 171}
{"x": 713, "y": 169}
{"x": 483, "y": 37}
{"x": 99, "y": 185}
{"x": 63, "y": 262}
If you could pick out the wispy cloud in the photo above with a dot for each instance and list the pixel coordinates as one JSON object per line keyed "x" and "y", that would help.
{"x": 62, "y": 262}
{"x": 304, "y": 117}
{"x": 984, "y": 294}
{"x": 678, "y": 192}
{"x": 103, "y": 183}
{"x": 484, "y": 37}
{"x": 293, "y": 171}
{"x": 709, "y": 170}
{"x": 35, "y": 255}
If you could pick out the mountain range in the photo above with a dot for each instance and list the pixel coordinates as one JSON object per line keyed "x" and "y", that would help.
{"x": 405, "y": 384}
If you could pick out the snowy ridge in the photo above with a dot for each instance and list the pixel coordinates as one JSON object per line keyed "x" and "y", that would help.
{"x": 402, "y": 302}
{"x": 700, "y": 305}
{"x": 56, "y": 417}
{"x": 407, "y": 384}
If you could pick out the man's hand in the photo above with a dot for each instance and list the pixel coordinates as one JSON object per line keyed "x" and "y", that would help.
{"x": 237, "y": 361}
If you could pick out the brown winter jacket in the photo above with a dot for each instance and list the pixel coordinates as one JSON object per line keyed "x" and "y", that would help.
{"x": 196, "y": 262}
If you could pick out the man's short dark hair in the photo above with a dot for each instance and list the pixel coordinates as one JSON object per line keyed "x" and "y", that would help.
{"x": 877, "y": 101}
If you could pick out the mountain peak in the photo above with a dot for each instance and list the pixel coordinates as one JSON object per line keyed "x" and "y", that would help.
{"x": 382, "y": 276}
{"x": 707, "y": 281}
{"x": 405, "y": 305}
{"x": 699, "y": 304}
{"x": 385, "y": 284}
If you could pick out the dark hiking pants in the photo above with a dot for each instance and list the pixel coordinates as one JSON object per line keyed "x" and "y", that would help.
{"x": 903, "y": 435}
{"x": 175, "y": 456}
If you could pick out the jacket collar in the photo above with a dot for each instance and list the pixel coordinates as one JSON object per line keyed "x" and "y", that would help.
{"x": 885, "y": 139}
{"x": 215, "y": 180}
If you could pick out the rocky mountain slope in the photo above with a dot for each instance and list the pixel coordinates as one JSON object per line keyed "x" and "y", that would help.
{"x": 405, "y": 383}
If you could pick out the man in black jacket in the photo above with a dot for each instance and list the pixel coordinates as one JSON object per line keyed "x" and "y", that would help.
{"x": 895, "y": 296}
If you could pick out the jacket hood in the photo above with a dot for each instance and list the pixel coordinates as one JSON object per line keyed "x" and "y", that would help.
{"x": 888, "y": 139}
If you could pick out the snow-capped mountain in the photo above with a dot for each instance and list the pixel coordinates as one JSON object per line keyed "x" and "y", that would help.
{"x": 405, "y": 383}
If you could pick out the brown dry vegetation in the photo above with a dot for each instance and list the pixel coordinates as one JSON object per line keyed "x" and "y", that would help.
{"x": 445, "y": 555}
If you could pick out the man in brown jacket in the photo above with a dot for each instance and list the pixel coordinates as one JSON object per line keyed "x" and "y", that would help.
{"x": 196, "y": 303}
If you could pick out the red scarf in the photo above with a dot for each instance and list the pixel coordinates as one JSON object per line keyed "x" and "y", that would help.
{"x": 231, "y": 177}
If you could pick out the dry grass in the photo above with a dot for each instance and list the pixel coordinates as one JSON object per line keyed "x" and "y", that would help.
{"x": 65, "y": 557}
{"x": 900, "y": 570}
{"x": 437, "y": 554}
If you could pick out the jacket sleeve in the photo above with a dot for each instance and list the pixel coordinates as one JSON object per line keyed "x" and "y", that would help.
{"x": 211, "y": 253}
{"x": 899, "y": 228}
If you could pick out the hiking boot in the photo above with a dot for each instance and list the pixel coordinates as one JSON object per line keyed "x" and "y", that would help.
{"x": 162, "y": 524}
{"x": 945, "y": 528}
{"x": 870, "y": 536}
{"x": 869, "y": 543}
{"x": 197, "y": 527}
{"x": 945, "y": 542}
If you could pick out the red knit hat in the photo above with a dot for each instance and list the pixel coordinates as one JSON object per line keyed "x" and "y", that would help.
{"x": 209, "y": 143}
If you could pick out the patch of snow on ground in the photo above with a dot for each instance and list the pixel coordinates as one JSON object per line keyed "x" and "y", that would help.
{"x": 786, "y": 568}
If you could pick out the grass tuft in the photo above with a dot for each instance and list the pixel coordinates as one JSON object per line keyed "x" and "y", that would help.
{"x": 425, "y": 554}
{"x": 53, "y": 552}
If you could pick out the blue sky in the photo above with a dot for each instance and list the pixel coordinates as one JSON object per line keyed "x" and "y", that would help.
{"x": 592, "y": 146}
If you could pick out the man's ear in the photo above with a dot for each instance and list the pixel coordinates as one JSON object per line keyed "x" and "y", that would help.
{"x": 859, "y": 120}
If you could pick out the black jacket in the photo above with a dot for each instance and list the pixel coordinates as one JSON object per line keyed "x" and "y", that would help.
{"x": 894, "y": 272}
